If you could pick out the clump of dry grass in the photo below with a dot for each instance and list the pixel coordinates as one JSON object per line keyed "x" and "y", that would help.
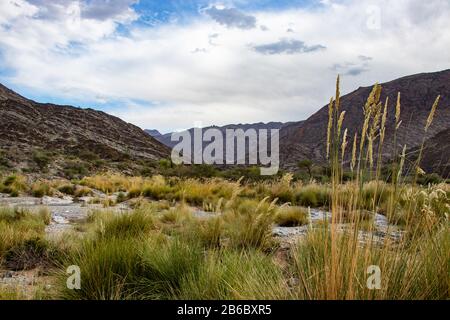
{"x": 22, "y": 236}
{"x": 14, "y": 185}
{"x": 288, "y": 216}
{"x": 253, "y": 228}
{"x": 42, "y": 188}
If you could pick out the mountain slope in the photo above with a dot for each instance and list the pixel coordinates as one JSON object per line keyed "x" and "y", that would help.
{"x": 435, "y": 155}
{"x": 307, "y": 140}
{"x": 26, "y": 125}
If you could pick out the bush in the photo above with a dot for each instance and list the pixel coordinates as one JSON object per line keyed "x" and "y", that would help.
{"x": 42, "y": 159}
{"x": 18, "y": 226}
{"x": 82, "y": 192}
{"x": 109, "y": 267}
{"x": 67, "y": 189}
{"x": 41, "y": 189}
{"x": 75, "y": 169}
{"x": 4, "y": 162}
{"x": 28, "y": 255}
{"x": 13, "y": 185}
{"x": 291, "y": 217}
{"x": 121, "y": 197}
{"x": 429, "y": 179}
{"x": 252, "y": 230}
{"x": 312, "y": 195}
{"x": 123, "y": 225}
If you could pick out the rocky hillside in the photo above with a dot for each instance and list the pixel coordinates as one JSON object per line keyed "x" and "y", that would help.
{"x": 436, "y": 154}
{"x": 27, "y": 126}
{"x": 307, "y": 140}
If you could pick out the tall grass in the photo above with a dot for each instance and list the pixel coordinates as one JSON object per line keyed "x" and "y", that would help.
{"x": 332, "y": 264}
{"x": 142, "y": 265}
{"x": 22, "y": 243}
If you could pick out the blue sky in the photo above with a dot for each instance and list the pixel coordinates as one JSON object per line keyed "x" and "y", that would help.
{"x": 172, "y": 64}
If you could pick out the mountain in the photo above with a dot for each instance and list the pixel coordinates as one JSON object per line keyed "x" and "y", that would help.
{"x": 153, "y": 133}
{"x": 27, "y": 126}
{"x": 307, "y": 139}
{"x": 166, "y": 138}
{"x": 435, "y": 155}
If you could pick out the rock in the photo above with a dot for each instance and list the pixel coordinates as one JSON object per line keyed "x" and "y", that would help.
{"x": 293, "y": 282}
{"x": 49, "y": 201}
{"x": 284, "y": 232}
{"x": 9, "y": 274}
{"x": 60, "y": 220}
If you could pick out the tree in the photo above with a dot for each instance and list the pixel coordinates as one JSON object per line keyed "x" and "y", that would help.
{"x": 306, "y": 164}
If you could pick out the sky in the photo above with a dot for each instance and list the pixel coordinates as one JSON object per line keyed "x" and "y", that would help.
{"x": 174, "y": 64}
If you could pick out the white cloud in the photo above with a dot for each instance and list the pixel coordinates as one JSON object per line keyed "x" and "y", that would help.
{"x": 227, "y": 81}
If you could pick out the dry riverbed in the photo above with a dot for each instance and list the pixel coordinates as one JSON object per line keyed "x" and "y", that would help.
{"x": 67, "y": 212}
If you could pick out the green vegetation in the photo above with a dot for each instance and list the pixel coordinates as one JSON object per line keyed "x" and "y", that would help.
{"x": 42, "y": 159}
{"x": 291, "y": 217}
{"x": 198, "y": 233}
{"x": 22, "y": 243}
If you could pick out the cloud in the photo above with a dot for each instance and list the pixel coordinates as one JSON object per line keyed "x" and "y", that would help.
{"x": 151, "y": 78}
{"x": 213, "y": 37}
{"x": 86, "y": 9}
{"x": 200, "y": 50}
{"x": 106, "y": 9}
{"x": 287, "y": 46}
{"x": 353, "y": 68}
{"x": 232, "y": 18}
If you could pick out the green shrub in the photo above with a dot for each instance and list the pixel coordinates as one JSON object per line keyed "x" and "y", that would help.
{"x": 429, "y": 179}
{"x": 18, "y": 226}
{"x": 41, "y": 189}
{"x": 28, "y": 255}
{"x": 67, "y": 189}
{"x": 122, "y": 225}
{"x": 109, "y": 267}
{"x": 4, "y": 162}
{"x": 227, "y": 274}
{"x": 121, "y": 197}
{"x": 312, "y": 195}
{"x": 252, "y": 230}
{"x": 291, "y": 217}
{"x": 41, "y": 158}
{"x": 75, "y": 169}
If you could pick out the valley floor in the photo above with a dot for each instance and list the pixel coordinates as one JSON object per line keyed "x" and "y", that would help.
{"x": 218, "y": 239}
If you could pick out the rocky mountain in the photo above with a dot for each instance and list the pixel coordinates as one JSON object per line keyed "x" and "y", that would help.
{"x": 153, "y": 133}
{"x": 166, "y": 138}
{"x": 435, "y": 155}
{"x": 307, "y": 139}
{"x": 26, "y": 126}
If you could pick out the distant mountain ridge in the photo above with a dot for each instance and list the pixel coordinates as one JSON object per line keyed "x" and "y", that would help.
{"x": 166, "y": 138}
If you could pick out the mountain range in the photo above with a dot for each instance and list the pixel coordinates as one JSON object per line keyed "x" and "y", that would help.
{"x": 26, "y": 126}
{"x": 307, "y": 139}
{"x": 166, "y": 138}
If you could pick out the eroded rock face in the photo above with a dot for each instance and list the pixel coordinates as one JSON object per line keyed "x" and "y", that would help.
{"x": 307, "y": 139}
{"x": 26, "y": 125}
